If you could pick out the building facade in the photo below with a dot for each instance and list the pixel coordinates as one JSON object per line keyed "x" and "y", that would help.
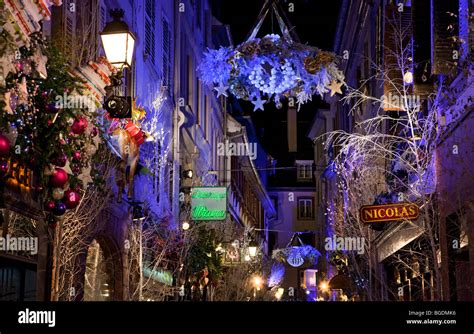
{"x": 363, "y": 34}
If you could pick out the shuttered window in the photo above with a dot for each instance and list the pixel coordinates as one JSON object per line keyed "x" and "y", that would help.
{"x": 422, "y": 46}
{"x": 166, "y": 57}
{"x": 397, "y": 41}
{"x": 444, "y": 31}
{"x": 150, "y": 29}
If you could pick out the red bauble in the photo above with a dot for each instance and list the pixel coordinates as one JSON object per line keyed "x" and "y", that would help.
{"x": 59, "y": 178}
{"x": 79, "y": 126}
{"x": 76, "y": 155}
{"x": 4, "y": 145}
{"x": 71, "y": 199}
{"x": 60, "y": 160}
{"x": 49, "y": 206}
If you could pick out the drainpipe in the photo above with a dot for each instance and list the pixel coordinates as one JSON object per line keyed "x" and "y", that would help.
{"x": 176, "y": 125}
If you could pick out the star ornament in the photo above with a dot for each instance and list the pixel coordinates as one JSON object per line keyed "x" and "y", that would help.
{"x": 258, "y": 103}
{"x": 221, "y": 90}
{"x": 335, "y": 87}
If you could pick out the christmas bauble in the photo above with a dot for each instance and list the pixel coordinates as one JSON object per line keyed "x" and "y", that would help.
{"x": 76, "y": 170}
{"x": 58, "y": 193}
{"x": 59, "y": 209}
{"x": 79, "y": 125}
{"x": 60, "y": 160}
{"x": 49, "y": 206}
{"x": 4, "y": 145}
{"x": 94, "y": 132}
{"x": 3, "y": 167}
{"x": 71, "y": 199}
{"x": 76, "y": 155}
{"x": 59, "y": 178}
{"x": 51, "y": 108}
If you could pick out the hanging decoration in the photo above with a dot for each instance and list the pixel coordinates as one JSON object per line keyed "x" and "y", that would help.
{"x": 296, "y": 253}
{"x": 273, "y": 66}
{"x": 126, "y": 136}
{"x": 43, "y": 129}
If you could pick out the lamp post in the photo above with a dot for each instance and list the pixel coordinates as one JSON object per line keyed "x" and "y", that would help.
{"x": 118, "y": 43}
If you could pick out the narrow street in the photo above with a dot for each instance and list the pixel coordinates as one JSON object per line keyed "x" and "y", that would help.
{"x": 244, "y": 151}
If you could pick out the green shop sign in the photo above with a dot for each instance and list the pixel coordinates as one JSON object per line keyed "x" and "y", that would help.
{"x": 208, "y": 203}
{"x": 160, "y": 275}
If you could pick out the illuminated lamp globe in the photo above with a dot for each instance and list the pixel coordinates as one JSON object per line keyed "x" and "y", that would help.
{"x": 185, "y": 226}
{"x": 408, "y": 77}
{"x": 118, "y": 41}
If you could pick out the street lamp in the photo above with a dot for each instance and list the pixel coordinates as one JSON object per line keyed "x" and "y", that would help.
{"x": 252, "y": 249}
{"x": 185, "y": 226}
{"x": 118, "y": 41}
{"x": 138, "y": 213}
{"x": 257, "y": 282}
{"x": 324, "y": 286}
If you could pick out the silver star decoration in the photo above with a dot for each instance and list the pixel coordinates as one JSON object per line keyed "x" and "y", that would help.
{"x": 85, "y": 176}
{"x": 258, "y": 103}
{"x": 335, "y": 87}
{"x": 67, "y": 168}
{"x": 221, "y": 90}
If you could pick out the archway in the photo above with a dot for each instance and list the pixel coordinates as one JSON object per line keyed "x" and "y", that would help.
{"x": 100, "y": 278}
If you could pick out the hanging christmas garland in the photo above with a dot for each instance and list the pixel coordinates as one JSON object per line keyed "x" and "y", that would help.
{"x": 271, "y": 67}
{"x": 45, "y": 124}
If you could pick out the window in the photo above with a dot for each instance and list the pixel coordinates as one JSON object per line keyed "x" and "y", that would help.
{"x": 166, "y": 57}
{"x": 150, "y": 30}
{"x": 198, "y": 13}
{"x": 305, "y": 171}
{"x": 103, "y": 17}
{"x": 305, "y": 208}
{"x": 190, "y": 79}
{"x": 275, "y": 204}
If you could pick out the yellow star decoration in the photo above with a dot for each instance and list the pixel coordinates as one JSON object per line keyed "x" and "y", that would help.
{"x": 138, "y": 113}
{"x": 335, "y": 87}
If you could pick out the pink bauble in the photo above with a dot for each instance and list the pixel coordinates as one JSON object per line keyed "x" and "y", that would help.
{"x": 4, "y": 145}
{"x": 59, "y": 178}
{"x": 49, "y": 206}
{"x": 76, "y": 155}
{"x": 79, "y": 125}
{"x": 3, "y": 167}
{"x": 71, "y": 199}
{"x": 60, "y": 160}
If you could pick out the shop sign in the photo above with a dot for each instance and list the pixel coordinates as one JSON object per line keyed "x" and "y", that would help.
{"x": 295, "y": 259}
{"x": 208, "y": 203}
{"x": 389, "y": 212}
{"x": 19, "y": 176}
{"x": 159, "y": 275}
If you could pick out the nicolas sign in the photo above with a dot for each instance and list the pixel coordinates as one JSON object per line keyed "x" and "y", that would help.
{"x": 388, "y": 212}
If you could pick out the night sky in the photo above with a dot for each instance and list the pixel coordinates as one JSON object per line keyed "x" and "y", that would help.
{"x": 315, "y": 23}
